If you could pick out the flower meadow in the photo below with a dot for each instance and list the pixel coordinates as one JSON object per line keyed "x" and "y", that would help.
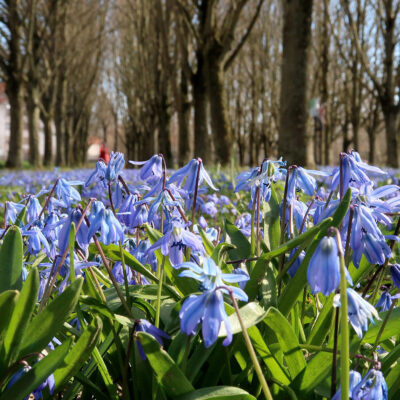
{"x": 146, "y": 283}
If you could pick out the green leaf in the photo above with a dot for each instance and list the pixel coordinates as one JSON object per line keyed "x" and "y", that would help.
{"x": 208, "y": 246}
{"x": 287, "y": 340}
{"x": 393, "y": 381}
{"x": 272, "y": 225}
{"x": 358, "y": 273}
{"x": 217, "y": 393}
{"x": 39, "y": 372}
{"x": 251, "y": 315}
{"x": 392, "y": 327}
{"x": 11, "y": 254}
{"x": 220, "y": 251}
{"x": 48, "y": 322}
{"x": 269, "y": 290}
{"x": 20, "y": 319}
{"x": 243, "y": 248}
{"x": 390, "y": 359}
{"x": 296, "y": 284}
{"x": 167, "y": 372}
{"x": 323, "y": 323}
{"x": 71, "y": 246}
{"x": 8, "y": 300}
{"x": 79, "y": 353}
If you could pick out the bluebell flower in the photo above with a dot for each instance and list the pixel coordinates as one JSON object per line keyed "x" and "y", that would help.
{"x": 35, "y": 241}
{"x": 114, "y": 166}
{"x": 372, "y": 387}
{"x": 384, "y": 302}
{"x": 33, "y": 210}
{"x": 152, "y": 169}
{"x": 141, "y": 254}
{"x": 81, "y": 235}
{"x": 12, "y": 212}
{"x": 98, "y": 175}
{"x": 189, "y": 172}
{"x": 208, "y": 308}
{"x": 359, "y": 311}
{"x": 131, "y": 214}
{"x": 175, "y": 241}
{"x": 37, "y": 393}
{"x": 323, "y": 272}
{"x": 118, "y": 273}
{"x": 67, "y": 193}
{"x": 145, "y": 326}
{"x": 354, "y": 172}
{"x": 211, "y": 277}
{"x": 104, "y": 220}
{"x": 395, "y": 274}
{"x": 243, "y": 222}
{"x": 297, "y": 262}
{"x": 354, "y": 380}
{"x": 209, "y": 208}
{"x": 302, "y": 179}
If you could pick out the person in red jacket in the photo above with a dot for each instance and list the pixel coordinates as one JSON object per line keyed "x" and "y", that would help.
{"x": 104, "y": 153}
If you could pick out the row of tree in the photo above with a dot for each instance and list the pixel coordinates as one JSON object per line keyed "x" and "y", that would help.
{"x": 227, "y": 78}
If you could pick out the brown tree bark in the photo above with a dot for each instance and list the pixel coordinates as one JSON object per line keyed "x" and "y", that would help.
{"x": 295, "y": 143}
{"x": 33, "y": 124}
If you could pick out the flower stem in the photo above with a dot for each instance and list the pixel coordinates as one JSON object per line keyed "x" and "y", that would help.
{"x": 196, "y": 188}
{"x": 159, "y": 290}
{"x": 381, "y": 329}
{"x": 250, "y": 348}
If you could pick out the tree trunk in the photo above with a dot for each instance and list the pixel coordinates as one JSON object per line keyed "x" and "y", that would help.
{"x": 164, "y": 135}
{"x": 184, "y": 122}
{"x": 221, "y": 129}
{"x": 60, "y": 121}
{"x": 33, "y": 124}
{"x": 295, "y": 142}
{"x": 391, "y": 116}
{"x": 201, "y": 138}
{"x": 48, "y": 140}
{"x": 15, "y": 95}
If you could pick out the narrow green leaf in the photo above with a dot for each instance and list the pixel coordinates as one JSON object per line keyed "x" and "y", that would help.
{"x": 20, "y": 319}
{"x": 243, "y": 248}
{"x": 167, "y": 372}
{"x": 287, "y": 340}
{"x": 217, "y": 393}
{"x": 208, "y": 246}
{"x": 392, "y": 327}
{"x": 220, "y": 251}
{"x": 272, "y": 225}
{"x": 8, "y": 300}
{"x": 251, "y": 315}
{"x": 39, "y": 372}
{"x": 47, "y": 323}
{"x": 79, "y": 353}
{"x": 11, "y": 254}
{"x": 322, "y": 325}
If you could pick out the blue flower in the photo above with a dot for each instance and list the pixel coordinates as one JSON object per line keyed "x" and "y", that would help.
{"x": 189, "y": 172}
{"x": 372, "y": 387}
{"x": 35, "y": 241}
{"x": 296, "y": 263}
{"x": 211, "y": 277}
{"x": 395, "y": 274}
{"x": 145, "y": 326}
{"x": 118, "y": 273}
{"x": 175, "y": 241}
{"x": 104, "y": 220}
{"x": 384, "y": 302}
{"x": 152, "y": 169}
{"x": 208, "y": 308}
{"x": 98, "y": 174}
{"x": 114, "y": 166}
{"x": 359, "y": 311}
{"x": 323, "y": 272}
{"x": 66, "y": 192}
{"x": 354, "y": 380}
{"x": 12, "y": 211}
{"x": 33, "y": 210}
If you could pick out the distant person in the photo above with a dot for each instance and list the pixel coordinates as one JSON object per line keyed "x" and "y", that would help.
{"x": 104, "y": 153}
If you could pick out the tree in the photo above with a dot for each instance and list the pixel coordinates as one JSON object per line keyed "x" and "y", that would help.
{"x": 295, "y": 142}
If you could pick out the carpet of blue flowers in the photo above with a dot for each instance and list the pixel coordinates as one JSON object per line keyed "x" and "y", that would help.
{"x": 147, "y": 283}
